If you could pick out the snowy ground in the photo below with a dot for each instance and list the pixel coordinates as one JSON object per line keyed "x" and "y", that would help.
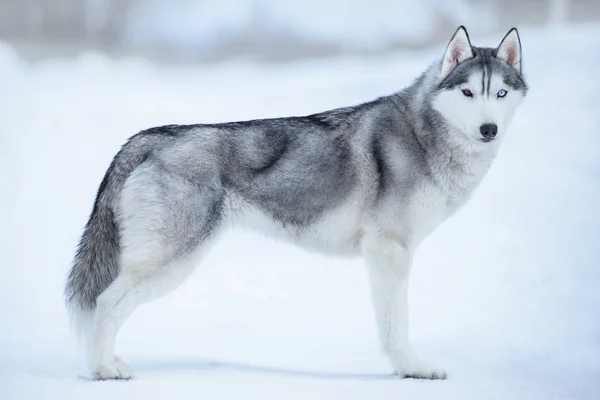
{"x": 504, "y": 296}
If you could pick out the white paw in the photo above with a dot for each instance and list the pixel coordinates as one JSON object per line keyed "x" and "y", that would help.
{"x": 117, "y": 370}
{"x": 123, "y": 368}
{"x": 420, "y": 369}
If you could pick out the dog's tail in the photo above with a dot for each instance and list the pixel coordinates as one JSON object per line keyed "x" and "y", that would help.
{"x": 96, "y": 263}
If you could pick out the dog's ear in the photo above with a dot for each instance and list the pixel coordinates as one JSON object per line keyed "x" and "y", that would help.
{"x": 459, "y": 49}
{"x": 509, "y": 49}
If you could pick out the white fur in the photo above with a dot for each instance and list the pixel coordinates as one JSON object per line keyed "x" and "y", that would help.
{"x": 459, "y": 49}
{"x": 389, "y": 264}
{"x": 509, "y": 49}
{"x": 145, "y": 274}
{"x": 387, "y": 240}
{"x": 467, "y": 114}
{"x": 388, "y": 247}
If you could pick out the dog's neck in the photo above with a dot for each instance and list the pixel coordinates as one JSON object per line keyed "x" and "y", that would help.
{"x": 459, "y": 169}
{"x": 457, "y": 163}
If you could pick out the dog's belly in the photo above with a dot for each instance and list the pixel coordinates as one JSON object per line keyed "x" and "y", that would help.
{"x": 337, "y": 231}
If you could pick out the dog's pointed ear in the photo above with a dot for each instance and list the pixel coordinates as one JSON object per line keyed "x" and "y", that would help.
{"x": 459, "y": 49}
{"x": 509, "y": 49}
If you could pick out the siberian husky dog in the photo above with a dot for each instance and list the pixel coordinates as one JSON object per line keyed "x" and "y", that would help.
{"x": 372, "y": 180}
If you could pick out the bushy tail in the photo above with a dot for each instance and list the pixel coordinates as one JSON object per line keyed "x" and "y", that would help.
{"x": 96, "y": 263}
{"x": 95, "y": 266}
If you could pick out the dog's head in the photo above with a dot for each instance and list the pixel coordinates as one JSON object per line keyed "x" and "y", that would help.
{"x": 480, "y": 88}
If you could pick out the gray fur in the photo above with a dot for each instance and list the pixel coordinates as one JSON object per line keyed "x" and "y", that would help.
{"x": 96, "y": 262}
{"x": 485, "y": 59}
{"x": 173, "y": 187}
{"x": 295, "y": 169}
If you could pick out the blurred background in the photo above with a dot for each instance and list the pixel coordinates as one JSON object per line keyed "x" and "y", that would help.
{"x": 205, "y": 30}
{"x": 504, "y": 295}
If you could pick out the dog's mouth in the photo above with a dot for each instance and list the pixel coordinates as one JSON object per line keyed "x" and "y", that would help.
{"x": 486, "y": 140}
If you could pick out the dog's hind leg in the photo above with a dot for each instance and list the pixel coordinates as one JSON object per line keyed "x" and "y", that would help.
{"x": 113, "y": 307}
{"x": 165, "y": 224}
{"x": 118, "y": 302}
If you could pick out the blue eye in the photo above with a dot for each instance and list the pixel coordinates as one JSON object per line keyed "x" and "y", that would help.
{"x": 502, "y": 93}
{"x": 467, "y": 93}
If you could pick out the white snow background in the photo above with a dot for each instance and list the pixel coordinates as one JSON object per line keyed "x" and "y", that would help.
{"x": 505, "y": 295}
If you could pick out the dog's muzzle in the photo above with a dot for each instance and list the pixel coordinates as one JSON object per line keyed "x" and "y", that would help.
{"x": 488, "y": 131}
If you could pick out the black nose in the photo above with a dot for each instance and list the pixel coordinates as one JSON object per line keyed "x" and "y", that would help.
{"x": 488, "y": 131}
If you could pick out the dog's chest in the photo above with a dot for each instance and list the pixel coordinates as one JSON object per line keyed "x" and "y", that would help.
{"x": 428, "y": 209}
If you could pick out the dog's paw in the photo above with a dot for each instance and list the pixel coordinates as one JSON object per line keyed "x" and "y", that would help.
{"x": 124, "y": 370}
{"x": 117, "y": 370}
{"x": 421, "y": 369}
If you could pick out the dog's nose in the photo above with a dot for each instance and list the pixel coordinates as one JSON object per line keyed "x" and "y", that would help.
{"x": 488, "y": 131}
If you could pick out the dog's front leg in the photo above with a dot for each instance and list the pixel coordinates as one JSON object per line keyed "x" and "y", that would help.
{"x": 389, "y": 264}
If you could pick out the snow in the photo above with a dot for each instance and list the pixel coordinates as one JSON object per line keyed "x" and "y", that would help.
{"x": 504, "y": 295}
